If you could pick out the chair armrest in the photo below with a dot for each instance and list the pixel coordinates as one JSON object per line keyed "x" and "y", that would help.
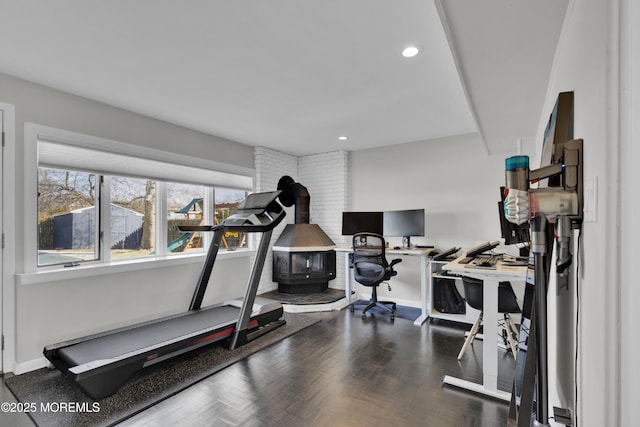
{"x": 394, "y": 262}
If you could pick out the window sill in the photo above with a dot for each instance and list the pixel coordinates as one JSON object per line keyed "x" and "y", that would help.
{"x": 97, "y": 269}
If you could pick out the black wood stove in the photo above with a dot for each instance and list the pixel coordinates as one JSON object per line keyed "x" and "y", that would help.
{"x": 304, "y": 259}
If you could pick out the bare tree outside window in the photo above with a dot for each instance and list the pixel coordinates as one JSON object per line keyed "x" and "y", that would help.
{"x": 66, "y": 216}
{"x": 133, "y": 217}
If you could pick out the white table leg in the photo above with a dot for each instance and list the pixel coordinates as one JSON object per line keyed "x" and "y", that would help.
{"x": 424, "y": 291}
{"x": 489, "y": 384}
{"x": 490, "y": 334}
{"x": 347, "y": 278}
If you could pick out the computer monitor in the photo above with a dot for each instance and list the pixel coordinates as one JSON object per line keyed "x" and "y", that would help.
{"x": 405, "y": 223}
{"x": 359, "y": 222}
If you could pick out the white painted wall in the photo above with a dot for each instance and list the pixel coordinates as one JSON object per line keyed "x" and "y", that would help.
{"x": 48, "y": 312}
{"x": 628, "y": 376}
{"x": 586, "y": 63}
{"x": 453, "y": 179}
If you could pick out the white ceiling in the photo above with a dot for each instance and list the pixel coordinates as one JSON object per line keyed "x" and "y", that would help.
{"x": 293, "y": 75}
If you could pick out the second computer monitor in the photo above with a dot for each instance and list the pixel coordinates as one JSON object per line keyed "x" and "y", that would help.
{"x": 405, "y": 223}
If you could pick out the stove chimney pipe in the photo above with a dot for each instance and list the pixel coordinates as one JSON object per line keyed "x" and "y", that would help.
{"x": 294, "y": 192}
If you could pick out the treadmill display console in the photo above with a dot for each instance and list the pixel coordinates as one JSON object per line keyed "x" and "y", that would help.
{"x": 258, "y": 200}
{"x": 256, "y": 212}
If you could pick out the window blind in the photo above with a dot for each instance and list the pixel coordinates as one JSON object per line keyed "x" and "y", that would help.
{"x": 54, "y": 154}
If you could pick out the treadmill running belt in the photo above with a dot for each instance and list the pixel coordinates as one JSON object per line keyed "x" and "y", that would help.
{"x": 134, "y": 339}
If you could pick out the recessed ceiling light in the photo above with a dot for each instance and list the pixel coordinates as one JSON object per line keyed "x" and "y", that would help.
{"x": 343, "y": 138}
{"x": 410, "y": 51}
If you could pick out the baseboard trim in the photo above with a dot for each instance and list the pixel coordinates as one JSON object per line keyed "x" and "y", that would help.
{"x": 30, "y": 365}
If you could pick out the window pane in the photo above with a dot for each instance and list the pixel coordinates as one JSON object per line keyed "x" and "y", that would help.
{"x": 185, "y": 206}
{"x": 66, "y": 216}
{"x": 226, "y": 201}
{"x": 132, "y": 219}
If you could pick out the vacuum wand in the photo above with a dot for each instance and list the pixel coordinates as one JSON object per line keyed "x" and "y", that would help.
{"x": 564, "y": 256}
{"x": 539, "y": 248}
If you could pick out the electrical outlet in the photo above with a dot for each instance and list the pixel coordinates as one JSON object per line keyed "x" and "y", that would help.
{"x": 590, "y": 210}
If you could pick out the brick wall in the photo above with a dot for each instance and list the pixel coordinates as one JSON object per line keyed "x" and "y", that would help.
{"x": 270, "y": 165}
{"x": 326, "y": 177}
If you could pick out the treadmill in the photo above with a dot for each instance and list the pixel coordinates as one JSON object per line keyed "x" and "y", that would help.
{"x": 101, "y": 363}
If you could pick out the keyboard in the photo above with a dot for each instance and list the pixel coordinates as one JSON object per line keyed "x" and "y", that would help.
{"x": 484, "y": 261}
{"x": 443, "y": 255}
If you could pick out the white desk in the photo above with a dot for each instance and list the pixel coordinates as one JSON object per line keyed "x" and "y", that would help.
{"x": 424, "y": 278}
{"x": 491, "y": 279}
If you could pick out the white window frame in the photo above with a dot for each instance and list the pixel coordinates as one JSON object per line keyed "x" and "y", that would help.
{"x": 32, "y": 274}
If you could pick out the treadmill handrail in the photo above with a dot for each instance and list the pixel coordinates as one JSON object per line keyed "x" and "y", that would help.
{"x": 248, "y": 228}
{"x": 204, "y": 228}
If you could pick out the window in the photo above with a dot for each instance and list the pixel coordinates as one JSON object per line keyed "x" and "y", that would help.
{"x": 132, "y": 217}
{"x": 226, "y": 200}
{"x": 67, "y": 226}
{"x": 101, "y": 201}
{"x": 185, "y": 206}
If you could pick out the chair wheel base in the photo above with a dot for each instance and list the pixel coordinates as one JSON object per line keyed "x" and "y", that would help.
{"x": 387, "y": 306}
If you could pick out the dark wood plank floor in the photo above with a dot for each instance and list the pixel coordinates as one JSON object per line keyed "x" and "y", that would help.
{"x": 344, "y": 371}
{"x": 9, "y": 416}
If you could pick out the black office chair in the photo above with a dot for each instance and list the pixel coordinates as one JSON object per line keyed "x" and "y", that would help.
{"x": 507, "y": 304}
{"x": 370, "y": 268}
